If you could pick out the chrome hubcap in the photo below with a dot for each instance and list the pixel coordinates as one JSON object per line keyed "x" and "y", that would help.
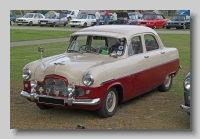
{"x": 110, "y": 101}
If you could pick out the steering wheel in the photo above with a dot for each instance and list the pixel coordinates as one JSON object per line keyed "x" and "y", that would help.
{"x": 87, "y": 48}
{"x": 83, "y": 46}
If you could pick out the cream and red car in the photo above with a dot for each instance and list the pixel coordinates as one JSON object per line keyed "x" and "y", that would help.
{"x": 103, "y": 65}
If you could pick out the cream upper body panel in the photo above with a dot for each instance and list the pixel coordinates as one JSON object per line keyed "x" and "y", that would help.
{"x": 74, "y": 65}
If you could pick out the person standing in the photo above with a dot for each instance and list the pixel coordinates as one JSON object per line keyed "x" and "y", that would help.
{"x": 106, "y": 17}
{"x": 114, "y": 16}
{"x": 97, "y": 15}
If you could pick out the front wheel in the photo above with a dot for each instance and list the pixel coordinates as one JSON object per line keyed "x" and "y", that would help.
{"x": 110, "y": 104}
{"x": 65, "y": 24}
{"x": 30, "y": 23}
{"x": 85, "y": 25}
{"x": 166, "y": 86}
{"x": 54, "y": 24}
{"x": 11, "y": 23}
{"x": 154, "y": 26}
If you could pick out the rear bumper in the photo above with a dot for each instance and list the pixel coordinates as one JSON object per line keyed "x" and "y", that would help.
{"x": 67, "y": 100}
{"x": 185, "y": 108}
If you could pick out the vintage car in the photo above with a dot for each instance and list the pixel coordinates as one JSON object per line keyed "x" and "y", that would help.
{"x": 29, "y": 19}
{"x": 186, "y": 84}
{"x": 152, "y": 20}
{"x": 102, "y": 65}
{"x": 84, "y": 19}
{"x": 53, "y": 19}
{"x": 179, "y": 21}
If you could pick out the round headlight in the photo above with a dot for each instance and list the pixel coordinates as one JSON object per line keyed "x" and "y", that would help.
{"x": 70, "y": 87}
{"x": 187, "y": 84}
{"x": 88, "y": 80}
{"x": 33, "y": 83}
{"x": 26, "y": 73}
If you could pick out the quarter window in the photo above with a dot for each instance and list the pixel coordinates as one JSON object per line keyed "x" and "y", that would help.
{"x": 150, "y": 42}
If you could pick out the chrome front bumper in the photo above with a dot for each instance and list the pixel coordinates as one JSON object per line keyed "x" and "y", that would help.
{"x": 67, "y": 100}
{"x": 185, "y": 108}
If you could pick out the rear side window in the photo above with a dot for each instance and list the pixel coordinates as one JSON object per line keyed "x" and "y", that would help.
{"x": 150, "y": 42}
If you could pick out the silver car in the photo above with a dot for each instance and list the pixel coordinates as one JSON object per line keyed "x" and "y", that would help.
{"x": 53, "y": 19}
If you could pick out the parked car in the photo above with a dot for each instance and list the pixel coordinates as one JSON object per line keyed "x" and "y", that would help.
{"x": 179, "y": 21}
{"x": 29, "y": 19}
{"x": 12, "y": 19}
{"x": 72, "y": 14}
{"x": 102, "y": 65}
{"x": 122, "y": 18}
{"x": 186, "y": 85}
{"x": 137, "y": 14}
{"x": 84, "y": 19}
{"x": 133, "y": 18}
{"x": 53, "y": 19}
{"x": 152, "y": 20}
{"x": 102, "y": 21}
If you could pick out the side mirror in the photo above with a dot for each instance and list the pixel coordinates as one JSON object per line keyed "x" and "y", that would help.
{"x": 114, "y": 55}
{"x": 40, "y": 49}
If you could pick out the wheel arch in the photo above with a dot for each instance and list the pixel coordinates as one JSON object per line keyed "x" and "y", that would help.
{"x": 119, "y": 89}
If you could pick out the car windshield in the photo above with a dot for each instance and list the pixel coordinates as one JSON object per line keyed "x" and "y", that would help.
{"x": 50, "y": 16}
{"x": 178, "y": 18}
{"x": 82, "y": 16}
{"x": 97, "y": 45}
{"x": 28, "y": 15}
{"x": 149, "y": 17}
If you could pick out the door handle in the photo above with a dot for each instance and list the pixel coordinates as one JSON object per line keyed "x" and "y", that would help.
{"x": 146, "y": 56}
{"x": 162, "y": 52}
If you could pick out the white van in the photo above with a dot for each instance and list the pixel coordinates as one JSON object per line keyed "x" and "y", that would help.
{"x": 72, "y": 14}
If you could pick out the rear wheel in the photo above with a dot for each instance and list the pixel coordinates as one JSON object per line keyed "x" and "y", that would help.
{"x": 110, "y": 104}
{"x": 167, "y": 27}
{"x": 43, "y": 107}
{"x": 166, "y": 86}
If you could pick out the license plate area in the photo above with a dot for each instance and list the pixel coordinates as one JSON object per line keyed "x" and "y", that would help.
{"x": 54, "y": 101}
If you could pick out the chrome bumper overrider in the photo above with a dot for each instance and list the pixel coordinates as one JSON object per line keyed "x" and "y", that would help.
{"x": 185, "y": 108}
{"x": 68, "y": 100}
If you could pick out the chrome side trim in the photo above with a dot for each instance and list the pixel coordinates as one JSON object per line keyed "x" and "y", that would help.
{"x": 185, "y": 108}
{"x": 107, "y": 81}
{"x": 34, "y": 96}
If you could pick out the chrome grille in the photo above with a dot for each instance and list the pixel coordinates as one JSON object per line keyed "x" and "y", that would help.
{"x": 58, "y": 85}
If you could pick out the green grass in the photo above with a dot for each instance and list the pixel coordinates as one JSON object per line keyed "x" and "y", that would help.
{"x": 17, "y": 35}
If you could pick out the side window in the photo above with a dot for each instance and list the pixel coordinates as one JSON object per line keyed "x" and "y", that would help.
{"x": 161, "y": 17}
{"x": 36, "y": 16}
{"x": 150, "y": 42}
{"x": 89, "y": 16}
{"x": 41, "y": 16}
{"x": 135, "y": 46}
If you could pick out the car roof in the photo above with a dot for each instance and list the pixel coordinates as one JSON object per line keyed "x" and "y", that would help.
{"x": 118, "y": 30}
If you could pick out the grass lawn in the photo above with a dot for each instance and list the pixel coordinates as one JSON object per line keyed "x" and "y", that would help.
{"x": 17, "y": 35}
{"x": 149, "y": 111}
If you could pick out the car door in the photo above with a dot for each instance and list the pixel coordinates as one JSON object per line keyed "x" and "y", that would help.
{"x": 35, "y": 18}
{"x": 91, "y": 18}
{"x": 156, "y": 58}
{"x": 139, "y": 66}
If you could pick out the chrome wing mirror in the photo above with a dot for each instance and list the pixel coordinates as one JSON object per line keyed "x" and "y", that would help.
{"x": 40, "y": 49}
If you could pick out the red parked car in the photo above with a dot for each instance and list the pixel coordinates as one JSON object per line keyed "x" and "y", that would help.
{"x": 152, "y": 20}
